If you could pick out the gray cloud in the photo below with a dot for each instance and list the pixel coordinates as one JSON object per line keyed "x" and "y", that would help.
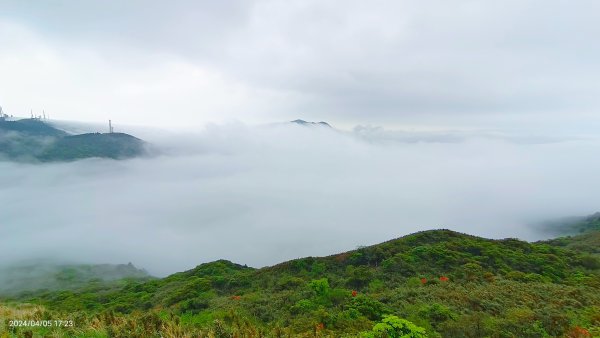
{"x": 380, "y": 135}
{"x": 391, "y": 62}
{"x": 260, "y": 195}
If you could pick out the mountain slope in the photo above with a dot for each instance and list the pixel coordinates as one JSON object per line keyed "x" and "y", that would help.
{"x": 31, "y": 127}
{"x": 111, "y": 145}
{"x": 572, "y": 225}
{"x": 36, "y": 140}
{"x": 46, "y": 276}
{"x": 587, "y": 242}
{"x": 451, "y": 284}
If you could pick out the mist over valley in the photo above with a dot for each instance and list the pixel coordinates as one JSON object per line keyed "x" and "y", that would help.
{"x": 262, "y": 194}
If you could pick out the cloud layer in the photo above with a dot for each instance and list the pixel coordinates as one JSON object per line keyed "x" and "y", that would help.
{"x": 474, "y": 63}
{"x": 261, "y": 195}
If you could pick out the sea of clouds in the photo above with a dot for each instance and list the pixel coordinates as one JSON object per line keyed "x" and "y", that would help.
{"x": 259, "y": 195}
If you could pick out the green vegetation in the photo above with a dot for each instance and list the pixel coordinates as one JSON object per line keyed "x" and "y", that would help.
{"x": 30, "y": 127}
{"x": 38, "y": 276}
{"x": 584, "y": 234}
{"x": 573, "y": 225}
{"x": 112, "y": 145}
{"x": 589, "y": 223}
{"x": 392, "y": 326}
{"x": 588, "y": 242}
{"x": 35, "y": 140}
{"x": 429, "y": 284}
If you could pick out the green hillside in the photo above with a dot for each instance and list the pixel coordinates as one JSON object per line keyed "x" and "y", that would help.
{"x": 36, "y": 140}
{"x": 588, "y": 242}
{"x": 111, "y": 145}
{"x": 430, "y": 284}
{"x": 572, "y": 225}
{"x": 39, "y": 276}
{"x": 585, "y": 224}
{"x": 30, "y": 127}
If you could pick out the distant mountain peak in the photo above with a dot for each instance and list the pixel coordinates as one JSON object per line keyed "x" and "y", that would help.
{"x": 308, "y": 123}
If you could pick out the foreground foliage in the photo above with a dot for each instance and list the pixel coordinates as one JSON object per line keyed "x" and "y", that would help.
{"x": 429, "y": 284}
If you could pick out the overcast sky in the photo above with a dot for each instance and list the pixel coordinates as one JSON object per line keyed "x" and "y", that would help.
{"x": 492, "y": 64}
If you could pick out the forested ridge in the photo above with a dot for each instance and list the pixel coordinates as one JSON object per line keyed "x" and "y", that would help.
{"x": 436, "y": 283}
{"x": 35, "y": 140}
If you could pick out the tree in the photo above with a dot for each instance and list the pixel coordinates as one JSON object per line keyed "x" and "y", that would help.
{"x": 472, "y": 271}
{"x": 320, "y": 287}
{"x": 394, "y": 327}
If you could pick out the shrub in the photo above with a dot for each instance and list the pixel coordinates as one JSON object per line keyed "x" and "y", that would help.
{"x": 394, "y": 327}
{"x": 368, "y": 307}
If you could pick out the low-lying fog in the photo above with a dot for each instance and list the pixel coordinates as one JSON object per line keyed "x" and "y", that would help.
{"x": 262, "y": 195}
